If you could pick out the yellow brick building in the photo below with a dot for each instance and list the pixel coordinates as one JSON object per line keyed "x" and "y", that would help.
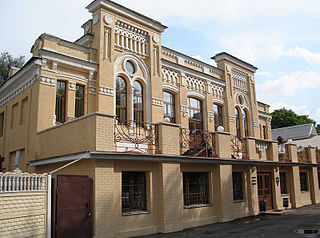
{"x": 167, "y": 141}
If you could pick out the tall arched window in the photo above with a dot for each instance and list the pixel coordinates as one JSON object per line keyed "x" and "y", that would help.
{"x": 169, "y": 106}
{"x": 246, "y": 123}
{"x": 138, "y": 102}
{"x": 195, "y": 114}
{"x": 121, "y": 99}
{"x": 218, "y": 116}
{"x": 237, "y": 115}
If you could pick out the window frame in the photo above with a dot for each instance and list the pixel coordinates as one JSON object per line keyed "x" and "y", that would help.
{"x": 204, "y": 196}
{"x": 139, "y": 120}
{"x": 120, "y": 110}
{"x": 2, "y": 124}
{"x": 79, "y": 101}
{"x": 60, "y": 110}
{"x": 304, "y": 181}
{"x": 133, "y": 179}
{"x": 218, "y": 116}
{"x": 171, "y": 103}
{"x": 283, "y": 183}
{"x": 191, "y": 120}
{"x": 238, "y": 122}
{"x": 246, "y": 123}
{"x": 238, "y": 186}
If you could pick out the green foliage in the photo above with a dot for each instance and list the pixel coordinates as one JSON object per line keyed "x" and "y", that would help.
{"x": 283, "y": 117}
{"x": 6, "y": 62}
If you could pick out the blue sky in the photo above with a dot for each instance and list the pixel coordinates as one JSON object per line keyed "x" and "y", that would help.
{"x": 281, "y": 38}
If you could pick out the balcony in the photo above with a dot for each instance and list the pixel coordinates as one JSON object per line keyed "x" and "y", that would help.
{"x": 136, "y": 137}
{"x": 318, "y": 155}
{"x": 303, "y": 155}
{"x": 283, "y": 150}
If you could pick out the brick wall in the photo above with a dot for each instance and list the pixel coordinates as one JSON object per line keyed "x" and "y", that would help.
{"x": 23, "y": 205}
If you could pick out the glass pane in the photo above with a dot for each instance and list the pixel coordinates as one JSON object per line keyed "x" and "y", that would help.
{"x": 137, "y": 88}
{"x": 130, "y": 68}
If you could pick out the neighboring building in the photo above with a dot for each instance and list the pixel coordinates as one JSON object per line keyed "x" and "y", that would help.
{"x": 299, "y": 132}
{"x": 140, "y": 138}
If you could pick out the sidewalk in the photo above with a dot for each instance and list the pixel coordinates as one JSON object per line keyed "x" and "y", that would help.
{"x": 273, "y": 226}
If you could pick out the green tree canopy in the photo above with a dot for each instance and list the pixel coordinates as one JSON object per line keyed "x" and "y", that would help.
{"x": 284, "y": 117}
{"x": 6, "y": 62}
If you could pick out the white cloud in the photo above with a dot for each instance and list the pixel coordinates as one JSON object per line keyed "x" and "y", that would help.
{"x": 301, "y": 53}
{"x": 290, "y": 84}
{"x": 200, "y": 58}
{"x": 266, "y": 74}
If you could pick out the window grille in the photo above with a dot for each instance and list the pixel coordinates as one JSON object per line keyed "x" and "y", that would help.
{"x": 195, "y": 188}
{"x": 79, "y": 101}
{"x": 237, "y": 186}
{"x": 60, "y": 101}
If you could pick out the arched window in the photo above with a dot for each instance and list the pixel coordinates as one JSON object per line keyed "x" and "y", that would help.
{"x": 237, "y": 115}
{"x": 121, "y": 99}
{"x": 218, "y": 116}
{"x": 138, "y": 102}
{"x": 195, "y": 114}
{"x": 246, "y": 123}
{"x": 169, "y": 106}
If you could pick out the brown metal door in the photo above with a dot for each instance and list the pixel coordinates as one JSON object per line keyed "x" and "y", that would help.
{"x": 73, "y": 218}
{"x": 265, "y": 189}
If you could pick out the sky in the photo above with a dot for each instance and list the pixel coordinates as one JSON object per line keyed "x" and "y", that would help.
{"x": 281, "y": 38}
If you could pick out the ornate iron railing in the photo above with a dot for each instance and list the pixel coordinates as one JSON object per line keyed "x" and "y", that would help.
{"x": 283, "y": 151}
{"x": 131, "y": 136}
{"x": 238, "y": 148}
{"x": 303, "y": 156}
{"x": 197, "y": 143}
{"x": 318, "y": 155}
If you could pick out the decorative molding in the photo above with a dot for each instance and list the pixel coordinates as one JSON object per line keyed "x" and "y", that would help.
{"x": 72, "y": 85}
{"x": 107, "y": 19}
{"x": 67, "y": 60}
{"x": 92, "y": 90}
{"x": 156, "y": 39}
{"x": 72, "y": 77}
{"x": 211, "y": 116}
{"x": 218, "y": 101}
{"x": 232, "y": 118}
{"x": 171, "y": 77}
{"x": 170, "y": 88}
{"x": 217, "y": 91}
{"x": 196, "y": 84}
{"x": 184, "y": 110}
{"x": 157, "y": 102}
{"x": 240, "y": 80}
{"x": 106, "y": 91}
{"x": 95, "y": 19}
{"x": 261, "y": 146}
{"x": 131, "y": 39}
{"x": 54, "y": 65}
{"x": 256, "y": 124}
{"x": 48, "y": 81}
{"x": 196, "y": 94}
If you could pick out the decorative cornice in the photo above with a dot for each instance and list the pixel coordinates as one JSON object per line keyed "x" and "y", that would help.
{"x": 72, "y": 85}
{"x": 230, "y": 58}
{"x": 48, "y": 81}
{"x": 106, "y": 91}
{"x": 72, "y": 77}
{"x": 157, "y": 102}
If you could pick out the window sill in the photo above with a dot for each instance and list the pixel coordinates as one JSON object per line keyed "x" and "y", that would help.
{"x": 238, "y": 201}
{"x": 285, "y": 195}
{"x": 135, "y": 213}
{"x": 305, "y": 191}
{"x": 197, "y": 206}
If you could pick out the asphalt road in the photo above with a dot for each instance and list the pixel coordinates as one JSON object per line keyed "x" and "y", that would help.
{"x": 306, "y": 218}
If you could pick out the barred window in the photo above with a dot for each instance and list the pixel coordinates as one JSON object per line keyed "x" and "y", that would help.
{"x": 283, "y": 183}
{"x": 79, "y": 103}
{"x": 133, "y": 192}
{"x": 61, "y": 101}
{"x": 304, "y": 181}
{"x": 195, "y": 188}
{"x": 237, "y": 186}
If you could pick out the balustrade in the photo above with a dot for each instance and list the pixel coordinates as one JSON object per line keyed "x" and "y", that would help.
{"x": 303, "y": 156}
{"x": 283, "y": 150}
{"x": 318, "y": 155}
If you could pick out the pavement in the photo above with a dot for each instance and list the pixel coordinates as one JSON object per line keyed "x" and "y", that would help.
{"x": 275, "y": 225}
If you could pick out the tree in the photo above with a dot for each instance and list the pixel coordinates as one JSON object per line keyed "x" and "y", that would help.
{"x": 283, "y": 117}
{"x": 6, "y": 62}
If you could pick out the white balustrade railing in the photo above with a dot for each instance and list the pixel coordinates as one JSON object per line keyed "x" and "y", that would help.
{"x": 21, "y": 182}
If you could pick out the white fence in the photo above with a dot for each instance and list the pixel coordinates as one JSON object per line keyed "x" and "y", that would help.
{"x": 25, "y": 204}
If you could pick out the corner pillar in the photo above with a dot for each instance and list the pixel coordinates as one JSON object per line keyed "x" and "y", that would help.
{"x": 295, "y": 191}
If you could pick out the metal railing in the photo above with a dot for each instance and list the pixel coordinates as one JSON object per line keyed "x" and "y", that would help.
{"x": 132, "y": 136}
{"x": 303, "y": 156}
{"x": 318, "y": 155}
{"x": 238, "y": 148}
{"x": 197, "y": 143}
{"x": 283, "y": 151}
